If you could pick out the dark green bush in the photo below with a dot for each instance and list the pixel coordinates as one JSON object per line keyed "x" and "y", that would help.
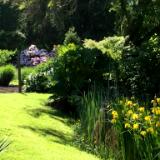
{"x": 76, "y": 70}
{"x": 6, "y": 56}
{"x": 6, "y": 74}
{"x": 72, "y": 37}
{"x": 140, "y": 68}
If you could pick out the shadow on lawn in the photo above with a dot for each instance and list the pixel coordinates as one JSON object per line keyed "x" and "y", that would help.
{"x": 53, "y": 113}
{"x": 55, "y": 135}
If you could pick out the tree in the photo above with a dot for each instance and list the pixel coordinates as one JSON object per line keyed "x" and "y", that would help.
{"x": 9, "y": 34}
{"x": 46, "y": 22}
{"x": 137, "y": 19}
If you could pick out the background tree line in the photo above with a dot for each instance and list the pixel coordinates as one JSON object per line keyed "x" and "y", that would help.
{"x": 46, "y": 22}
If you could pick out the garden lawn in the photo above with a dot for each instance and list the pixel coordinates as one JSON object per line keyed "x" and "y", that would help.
{"x": 36, "y": 132}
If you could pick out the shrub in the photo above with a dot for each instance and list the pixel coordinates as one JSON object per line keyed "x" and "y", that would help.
{"x": 63, "y": 49}
{"x": 72, "y": 37}
{"x": 77, "y": 69}
{"x": 39, "y": 80}
{"x": 112, "y": 46}
{"x": 6, "y": 56}
{"x": 25, "y": 72}
{"x": 6, "y": 74}
{"x": 139, "y": 69}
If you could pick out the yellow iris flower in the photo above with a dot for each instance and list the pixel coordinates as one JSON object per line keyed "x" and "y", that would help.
{"x": 141, "y": 109}
{"x": 135, "y": 126}
{"x": 134, "y": 116}
{"x": 143, "y": 133}
{"x": 127, "y": 125}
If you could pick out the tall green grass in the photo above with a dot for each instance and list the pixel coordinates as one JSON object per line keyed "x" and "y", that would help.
{"x": 112, "y": 140}
{"x": 94, "y": 125}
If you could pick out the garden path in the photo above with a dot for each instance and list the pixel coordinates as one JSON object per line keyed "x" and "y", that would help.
{"x": 10, "y": 89}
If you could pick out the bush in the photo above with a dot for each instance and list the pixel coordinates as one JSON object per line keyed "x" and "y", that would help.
{"x": 72, "y": 37}
{"x": 139, "y": 70}
{"x": 6, "y": 74}
{"x": 39, "y": 80}
{"x": 25, "y": 72}
{"x": 77, "y": 69}
{"x": 112, "y": 46}
{"x": 6, "y": 56}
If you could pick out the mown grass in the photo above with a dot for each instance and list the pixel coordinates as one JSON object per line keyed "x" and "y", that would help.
{"x": 36, "y": 132}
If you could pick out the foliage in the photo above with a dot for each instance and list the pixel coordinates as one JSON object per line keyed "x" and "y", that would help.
{"x": 112, "y": 46}
{"x": 140, "y": 69}
{"x": 139, "y": 127}
{"x": 91, "y": 19}
{"x": 72, "y": 37}
{"x": 33, "y": 56}
{"x": 92, "y": 115}
{"x": 77, "y": 69}
{"x": 6, "y": 74}
{"x": 6, "y": 56}
{"x": 137, "y": 19}
{"x": 95, "y": 133}
{"x": 63, "y": 49}
{"x": 39, "y": 80}
{"x": 25, "y": 72}
{"x": 125, "y": 129}
{"x": 10, "y": 36}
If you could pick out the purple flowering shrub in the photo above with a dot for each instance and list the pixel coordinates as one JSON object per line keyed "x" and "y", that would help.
{"x": 33, "y": 56}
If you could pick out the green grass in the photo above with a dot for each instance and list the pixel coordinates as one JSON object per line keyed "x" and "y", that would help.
{"x": 36, "y": 132}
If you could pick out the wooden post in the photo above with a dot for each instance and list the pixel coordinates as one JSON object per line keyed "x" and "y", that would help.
{"x": 19, "y": 73}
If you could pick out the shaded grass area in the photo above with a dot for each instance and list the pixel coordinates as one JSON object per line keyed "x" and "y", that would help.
{"x": 36, "y": 131}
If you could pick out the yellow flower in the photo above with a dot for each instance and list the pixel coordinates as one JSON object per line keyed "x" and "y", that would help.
{"x": 134, "y": 116}
{"x": 134, "y": 104}
{"x": 127, "y": 125}
{"x": 150, "y": 130}
{"x": 154, "y": 110}
{"x": 143, "y": 133}
{"x": 141, "y": 109}
{"x": 129, "y": 103}
{"x": 147, "y": 118}
{"x": 135, "y": 126}
{"x": 157, "y": 111}
{"x": 153, "y": 101}
{"x": 158, "y": 101}
{"x": 113, "y": 121}
{"x": 158, "y": 124}
{"x": 130, "y": 112}
{"x": 114, "y": 114}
